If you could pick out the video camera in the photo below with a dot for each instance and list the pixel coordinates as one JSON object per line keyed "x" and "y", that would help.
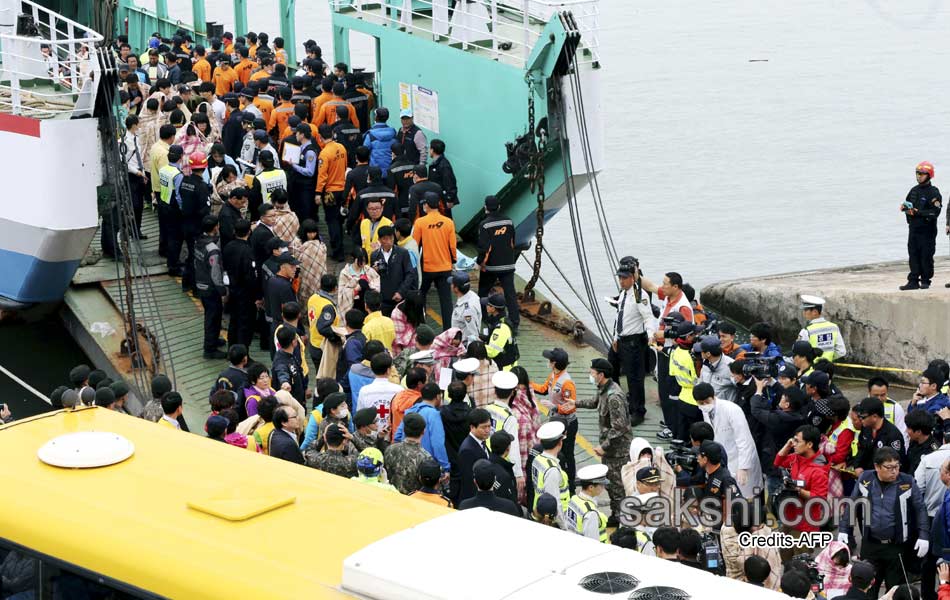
{"x": 789, "y": 490}
{"x": 813, "y": 574}
{"x": 682, "y": 454}
{"x": 711, "y": 556}
{"x": 760, "y": 367}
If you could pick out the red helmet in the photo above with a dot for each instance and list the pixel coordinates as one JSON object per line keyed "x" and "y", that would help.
{"x": 926, "y": 167}
{"x": 199, "y": 160}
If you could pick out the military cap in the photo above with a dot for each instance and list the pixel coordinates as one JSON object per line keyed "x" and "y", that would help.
{"x": 364, "y": 417}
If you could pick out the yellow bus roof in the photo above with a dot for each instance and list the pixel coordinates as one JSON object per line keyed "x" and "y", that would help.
{"x": 132, "y": 521}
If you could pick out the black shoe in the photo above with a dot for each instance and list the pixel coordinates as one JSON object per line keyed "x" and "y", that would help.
{"x": 222, "y": 342}
{"x": 613, "y": 521}
{"x": 216, "y": 355}
{"x": 909, "y": 286}
{"x": 925, "y": 286}
{"x": 946, "y": 285}
{"x": 636, "y": 420}
{"x": 662, "y": 423}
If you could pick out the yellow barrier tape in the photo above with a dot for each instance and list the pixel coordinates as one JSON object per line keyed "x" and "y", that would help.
{"x": 870, "y": 368}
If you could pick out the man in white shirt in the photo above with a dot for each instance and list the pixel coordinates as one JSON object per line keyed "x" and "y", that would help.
{"x": 135, "y": 162}
{"x": 731, "y": 431}
{"x": 378, "y": 395}
{"x": 218, "y": 108}
{"x": 715, "y": 369}
{"x": 633, "y": 327}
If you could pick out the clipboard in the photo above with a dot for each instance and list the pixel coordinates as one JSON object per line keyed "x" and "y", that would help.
{"x": 291, "y": 153}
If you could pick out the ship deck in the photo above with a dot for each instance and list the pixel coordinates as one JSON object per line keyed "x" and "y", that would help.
{"x": 94, "y": 299}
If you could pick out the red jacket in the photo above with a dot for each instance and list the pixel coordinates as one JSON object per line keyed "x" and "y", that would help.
{"x": 814, "y": 472}
{"x": 944, "y": 592}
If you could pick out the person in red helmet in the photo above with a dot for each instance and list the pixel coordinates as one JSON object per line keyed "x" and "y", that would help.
{"x": 195, "y": 202}
{"x": 921, "y": 208}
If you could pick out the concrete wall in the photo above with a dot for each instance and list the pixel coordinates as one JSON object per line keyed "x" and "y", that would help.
{"x": 882, "y": 325}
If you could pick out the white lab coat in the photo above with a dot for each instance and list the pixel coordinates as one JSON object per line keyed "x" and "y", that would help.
{"x": 732, "y": 431}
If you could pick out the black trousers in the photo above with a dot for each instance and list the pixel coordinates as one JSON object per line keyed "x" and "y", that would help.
{"x": 335, "y": 224}
{"x": 214, "y": 310}
{"x": 242, "y": 316}
{"x": 189, "y": 233}
{"x": 686, "y": 415}
{"x": 630, "y": 358}
{"x": 301, "y": 199}
{"x": 886, "y": 561}
{"x": 137, "y": 187}
{"x": 163, "y": 216}
{"x": 109, "y": 233}
{"x": 441, "y": 281}
{"x": 487, "y": 279}
{"x": 921, "y": 246}
{"x": 928, "y": 577}
{"x": 669, "y": 407}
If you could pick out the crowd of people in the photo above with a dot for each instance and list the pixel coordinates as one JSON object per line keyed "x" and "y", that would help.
{"x": 237, "y": 153}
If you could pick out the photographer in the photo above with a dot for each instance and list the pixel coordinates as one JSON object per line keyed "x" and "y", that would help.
{"x": 809, "y": 476}
{"x": 685, "y": 460}
{"x": 730, "y": 427}
{"x": 715, "y": 369}
{"x": 780, "y": 423}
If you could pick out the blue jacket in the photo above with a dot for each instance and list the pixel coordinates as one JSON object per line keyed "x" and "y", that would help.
{"x": 933, "y": 405}
{"x": 909, "y": 509}
{"x": 433, "y": 439}
{"x": 940, "y": 529}
{"x": 358, "y": 376}
{"x": 772, "y": 350}
{"x": 379, "y": 139}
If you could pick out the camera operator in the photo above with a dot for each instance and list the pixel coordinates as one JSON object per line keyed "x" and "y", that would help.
{"x": 780, "y": 424}
{"x": 715, "y": 369}
{"x": 730, "y": 427}
{"x": 809, "y": 476}
{"x": 876, "y": 433}
{"x": 685, "y": 460}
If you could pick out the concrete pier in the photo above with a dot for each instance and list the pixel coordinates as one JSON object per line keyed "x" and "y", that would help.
{"x": 882, "y": 325}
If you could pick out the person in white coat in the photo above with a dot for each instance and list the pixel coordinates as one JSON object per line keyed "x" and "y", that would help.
{"x": 732, "y": 431}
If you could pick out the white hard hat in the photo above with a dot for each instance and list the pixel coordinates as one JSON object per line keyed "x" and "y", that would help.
{"x": 504, "y": 380}
{"x": 812, "y": 301}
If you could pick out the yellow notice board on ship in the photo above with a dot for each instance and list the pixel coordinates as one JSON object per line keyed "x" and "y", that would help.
{"x": 425, "y": 108}
{"x": 405, "y": 96}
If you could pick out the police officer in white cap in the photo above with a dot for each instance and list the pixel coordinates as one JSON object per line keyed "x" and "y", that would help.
{"x": 546, "y": 473}
{"x": 464, "y": 370}
{"x": 506, "y": 384}
{"x": 819, "y": 331}
{"x": 582, "y": 516}
{"x": 425, "y": 360}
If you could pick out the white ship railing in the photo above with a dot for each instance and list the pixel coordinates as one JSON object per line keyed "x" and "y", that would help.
{"x": 512, "y": 27}
{"x": 43, "y": 86}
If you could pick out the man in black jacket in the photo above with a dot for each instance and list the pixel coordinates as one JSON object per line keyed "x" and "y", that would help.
{"x": 921, "y": 207}
{"x": 440, "y": 171}
{"x": 287, "y": 370}
{"x": 263, "y": 232}
{"x": 500, "y": 443}
{"x": 357, "y": 178}
{"x": 399, "y": 179}
{"x": 496, "y": 257}
{"x": 195, "y": 204}
{"x": 347, "y": 134}
{"x": 397, "y": 276}
{"x": 209, "y": 281}
{"x": 232, "y": 132}
{"x": 781, "y": 423}
{"x": 282, "y": 442}
{"x": 862, "y": 578}
{"x": 417, "y": 193}
{"x": 876, "y": 432}
{"x": 374, "y": 190}
{"x": 234, "y": 378}
{"x": 471, "y": 450}
{"x": 485, "y": 497}
{"x": 230, "y": 214}
{"x": 243, "y": 285}
{"x": 280, "y": 290}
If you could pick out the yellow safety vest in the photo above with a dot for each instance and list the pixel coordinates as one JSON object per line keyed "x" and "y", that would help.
{"x": 499, "y": 415}
{"x": 539, "y": 467}
{"x": 315, "y": 306}
{"x": 683, "y": 370}
{"x": 890, "y": 411}
{"x": 275, "y": 179}
{"x": 166, "y": 182}
{"x": 262, "y": 436}
{"x": 577, "y": 509}
{"x": 499, "y": 347}
{"x": 845, "y": 425}
{"x": 823, "y": 335}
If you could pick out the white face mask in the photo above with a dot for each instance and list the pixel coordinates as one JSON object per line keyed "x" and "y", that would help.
{"x": 592, "y": 380}
{"x": 373, "y": 434}
{"x": 343, "y": 414}
{"x": 707, "y": 408}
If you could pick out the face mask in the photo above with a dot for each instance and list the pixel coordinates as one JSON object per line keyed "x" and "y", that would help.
{"x": 373, "y": 434}
{"x": 344, "y": 413}
{"x": 706, "y": 408}
{"x": 592, "y": 380}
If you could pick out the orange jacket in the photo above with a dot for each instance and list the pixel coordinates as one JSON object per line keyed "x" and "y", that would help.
{"x": 435, "y": 234}
{"x": 317, "y": 103}
{"x": 279, "y": 117}
{"x": 331, "y": 170}
{"x": 328, "y": 113}
{"x": 202, "y": 68}
{"x": 266, "y": 107}
{"x": 402, "y": 402}
{"x": 259, "y": 74}
{"x": 252, "y": 50}
{"x": 243, "y": 70}
{"x": 224, "y": 81}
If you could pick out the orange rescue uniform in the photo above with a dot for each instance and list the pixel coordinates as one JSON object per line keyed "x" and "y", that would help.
{"x": 331, "y": 170}
{"x": 266, "y": 107}
{"x": 224, "y": 81}
{"x": 435, "y": 234}
{"x": 243, "y": 70}
{"x": 317, "y": 103}
{"x": 202, "y": 68}
{"x": 328, "y": 113}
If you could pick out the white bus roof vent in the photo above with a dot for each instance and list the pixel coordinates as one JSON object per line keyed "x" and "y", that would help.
{"x": 609, "y": 582}
{"x": 659, "y": 592}
{"x": 86, "y": 450}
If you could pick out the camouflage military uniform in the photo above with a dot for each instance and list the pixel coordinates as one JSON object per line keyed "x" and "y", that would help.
{"x": 402, "y": 462}
{"x": 332, "y": 461}
{"x": 401, "y": 360}
{"x": 615, "y": 436}
{"x": 153, "y": 411}
{"x": 362, "y": 442}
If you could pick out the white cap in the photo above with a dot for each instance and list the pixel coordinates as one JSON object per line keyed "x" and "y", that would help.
{"x": 812, "y": 301}
{"x": 596, "y": 473}
{"x": 423, "y": 356}
{"x": 466, "y": 365}
{"x": 552, "y": 430}
{"x": 504, "y": 380}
